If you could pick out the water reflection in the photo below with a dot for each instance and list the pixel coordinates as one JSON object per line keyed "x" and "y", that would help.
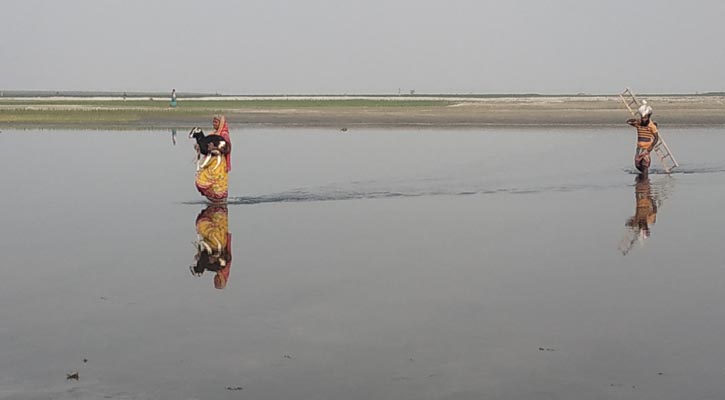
{"x": 214, "y": 244}
{"x": 648, "y": 199}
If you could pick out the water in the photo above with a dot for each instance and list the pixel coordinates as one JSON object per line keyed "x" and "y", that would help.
{"x": 387, "y": 264}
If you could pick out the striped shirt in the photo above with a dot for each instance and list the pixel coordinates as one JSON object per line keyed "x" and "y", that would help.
{"x": 646, "y": 135}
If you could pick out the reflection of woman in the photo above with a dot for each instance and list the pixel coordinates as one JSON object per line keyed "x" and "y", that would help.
{"x": 214, "y": 247}
{"x": 212, "y": 180}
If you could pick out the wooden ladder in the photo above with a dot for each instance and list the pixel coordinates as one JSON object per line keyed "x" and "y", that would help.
{"x": 661, "y": 149}
{"x": 630, "y": 101}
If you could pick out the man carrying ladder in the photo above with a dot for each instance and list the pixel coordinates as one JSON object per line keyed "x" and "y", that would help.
{"x": 648, "y": 137}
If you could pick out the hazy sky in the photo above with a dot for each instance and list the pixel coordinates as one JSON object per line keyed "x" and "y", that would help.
{"x": 366, "y": 46}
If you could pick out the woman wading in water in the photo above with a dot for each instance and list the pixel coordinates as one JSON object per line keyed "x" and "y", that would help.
{"x": 212, "y": 179}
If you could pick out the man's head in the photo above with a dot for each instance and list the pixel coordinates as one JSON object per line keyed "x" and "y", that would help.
{"x": 645, "y": 111}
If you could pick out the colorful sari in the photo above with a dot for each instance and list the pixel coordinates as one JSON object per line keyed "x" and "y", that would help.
{"x": 215, "y": 250}
{"x": 212, "y": 181}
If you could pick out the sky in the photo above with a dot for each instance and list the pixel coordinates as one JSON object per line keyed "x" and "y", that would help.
{"x": 363, "y": 47}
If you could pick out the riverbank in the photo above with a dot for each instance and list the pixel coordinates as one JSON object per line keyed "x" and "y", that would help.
{"x": 351, "y": 111}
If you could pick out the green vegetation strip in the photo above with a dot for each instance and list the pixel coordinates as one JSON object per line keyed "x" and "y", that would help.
{"x": 110, "y": 113}
{"x": 224, "y": 104}
{"x": 82, "y": 116}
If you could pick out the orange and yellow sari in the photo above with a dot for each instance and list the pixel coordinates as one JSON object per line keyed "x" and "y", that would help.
{"x": 212, "y": 226}
{"x": 212, "y": 181}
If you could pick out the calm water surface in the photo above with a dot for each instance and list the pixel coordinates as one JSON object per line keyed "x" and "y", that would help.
{"x": 371, "y": 264}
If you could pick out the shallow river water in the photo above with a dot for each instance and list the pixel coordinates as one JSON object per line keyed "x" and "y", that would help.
{"x": 370, "y": 264}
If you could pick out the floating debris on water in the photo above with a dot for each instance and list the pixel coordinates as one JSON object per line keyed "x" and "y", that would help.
{"x": 234, "y": 388}
{"x": 74, "y": 376}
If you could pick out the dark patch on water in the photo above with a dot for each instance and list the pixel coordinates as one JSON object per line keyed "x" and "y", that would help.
{"x": 372, "y": 190}
{"x": 687, "y": 169}
{"x": 332, "y": 194}
{"x": 368, "y": 190}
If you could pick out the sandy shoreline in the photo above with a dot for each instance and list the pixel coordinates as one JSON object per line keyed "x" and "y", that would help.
{"x": 110, "y": 113}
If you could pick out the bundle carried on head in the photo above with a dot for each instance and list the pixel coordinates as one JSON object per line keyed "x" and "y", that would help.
{"x": 644, "y": 110}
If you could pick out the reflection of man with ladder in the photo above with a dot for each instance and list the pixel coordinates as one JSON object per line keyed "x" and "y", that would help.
{"x": 648, "y": 137}
{"x": 648, "y": 199}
